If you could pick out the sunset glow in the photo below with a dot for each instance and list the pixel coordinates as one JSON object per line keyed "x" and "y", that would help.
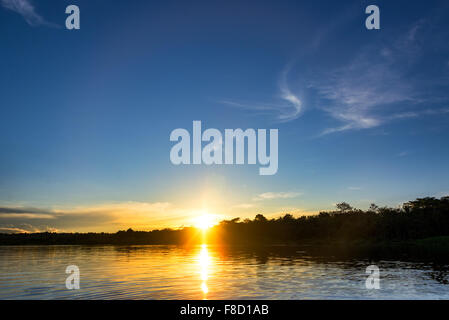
{"x": 205, "y": 221}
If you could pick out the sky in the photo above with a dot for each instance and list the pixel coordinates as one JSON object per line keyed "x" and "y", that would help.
{"x": 86, "y": 115}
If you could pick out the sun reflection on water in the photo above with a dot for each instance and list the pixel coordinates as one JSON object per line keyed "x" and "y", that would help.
{"x": 204, "y": 261}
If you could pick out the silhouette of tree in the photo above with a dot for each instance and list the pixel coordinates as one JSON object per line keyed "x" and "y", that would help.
{"x": 343, "y": 207}
{"x": 418, "y": 219}
{"x": 260, "y": 218}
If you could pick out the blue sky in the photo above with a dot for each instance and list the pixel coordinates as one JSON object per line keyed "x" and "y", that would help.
{"x": 86, "y": 115}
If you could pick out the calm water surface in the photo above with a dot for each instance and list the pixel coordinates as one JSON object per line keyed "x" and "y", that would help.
{"x": 207, "y": 272}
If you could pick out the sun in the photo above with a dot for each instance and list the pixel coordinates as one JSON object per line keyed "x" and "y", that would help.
{"x": 205, "y": 221}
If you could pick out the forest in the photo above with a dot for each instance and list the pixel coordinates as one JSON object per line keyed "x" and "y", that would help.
{"x": 422, "y": 218}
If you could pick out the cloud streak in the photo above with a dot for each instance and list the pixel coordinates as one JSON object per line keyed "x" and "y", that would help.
{"x": 287, "y": 109}
{"x": 27, "y": 11}
{"x": 287, "y": 95}
{"x": 276, "y": 195}
{"x": 376, "y": 88}
{"x": 385, "y": 81}
{"x": 106, "y": 217}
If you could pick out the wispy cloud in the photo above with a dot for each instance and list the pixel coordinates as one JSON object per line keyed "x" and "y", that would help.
{"x": 276, "y": 195}
{"x": 355, "y": 91}
{"x": 105, "y": 217}
{"x": 25, "y": 228}
{"x": 25, "y": 213}
{"x": 376, "y": 87}
{"x": 287, "y": 95}
{"x": 26, "y": 9}
{"x": 289, "y": 106}
{"x": 383, "y": 82}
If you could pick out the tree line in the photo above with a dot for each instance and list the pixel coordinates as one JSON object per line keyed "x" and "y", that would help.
{"x": 418, "y": 219}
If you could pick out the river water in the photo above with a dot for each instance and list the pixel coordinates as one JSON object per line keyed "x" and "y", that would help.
{"x": 208, "y": 272}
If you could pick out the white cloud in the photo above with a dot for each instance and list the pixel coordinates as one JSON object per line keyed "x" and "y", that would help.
{"x": 27, "y": 11}
{"x": 356, "y": 91}
{"x": 376, "y": 87}
{"x": 287, "y": 95}
{"x": 285, "y": 112}
{"x": 277, "y": 195}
